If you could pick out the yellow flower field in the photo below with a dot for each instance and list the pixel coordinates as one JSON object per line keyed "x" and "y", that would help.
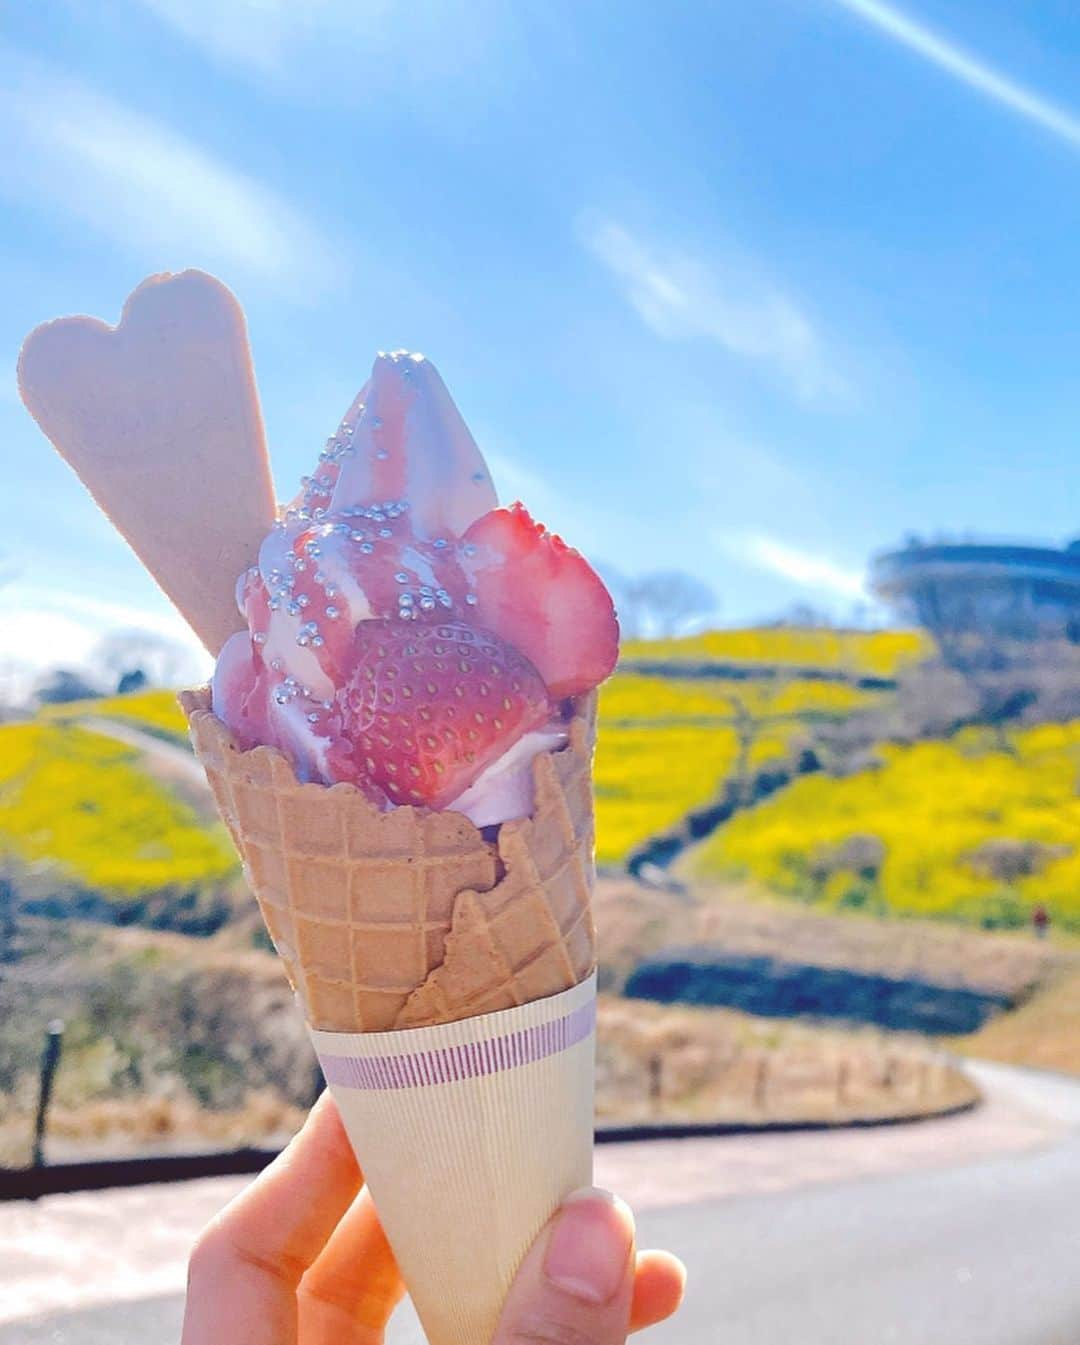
{"x": 847, "y": 652}
{"x": 81, "y": 802}
{"x": 668, "y": 745}
{"x": 647, "y": 779}
{"x": 633, "y": 697}
{"x": 931, "y": 805}
{"x": 151, "y": 710}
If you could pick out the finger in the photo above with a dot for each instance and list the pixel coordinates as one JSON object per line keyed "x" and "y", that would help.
{"x": 340, "y": 1306}
{"x": 659, "y": 1283}
{"x": 576, "y": 1283}
{"x": 245, "y": 1268}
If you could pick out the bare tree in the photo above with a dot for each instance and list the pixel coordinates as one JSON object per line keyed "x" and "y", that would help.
{"x": 60, "y": 685}
{"x": 804, "y": 616}
{"x": 123, "y": 653}
{"x": 671, "y": 599}
{"x": 660, "y": 603}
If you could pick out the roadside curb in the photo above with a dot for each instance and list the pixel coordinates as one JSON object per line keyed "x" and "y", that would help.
{"x": 718, "y": 1129}
{"x": 102, "y": 1174}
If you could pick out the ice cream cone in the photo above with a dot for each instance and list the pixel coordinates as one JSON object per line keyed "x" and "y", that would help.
{"x": 410, "y": 917}
{"x": 447, "y": 979}
{"x": 444, "y": 969}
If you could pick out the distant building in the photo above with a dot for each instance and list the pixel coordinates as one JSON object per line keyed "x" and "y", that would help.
{"x": 970, "y": 588}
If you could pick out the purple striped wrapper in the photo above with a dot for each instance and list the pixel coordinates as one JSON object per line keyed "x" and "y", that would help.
{"x": 470, "y": 1060}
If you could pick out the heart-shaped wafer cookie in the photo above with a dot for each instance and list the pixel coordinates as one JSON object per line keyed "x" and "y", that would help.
{"x": 160, "y": 418}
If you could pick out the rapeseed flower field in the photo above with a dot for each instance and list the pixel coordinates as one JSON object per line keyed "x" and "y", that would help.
{"x": 88, "y": 806}
{"x": 154, "y": 711}
{"x": 851, "y": 653}
{"x": 933, "y": 807}
{"x": 82, "y": 803}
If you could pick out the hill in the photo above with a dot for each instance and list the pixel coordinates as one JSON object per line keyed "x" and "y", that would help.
{"x": 155, "y": 712}
{"x": 844, "y": 653}
{"x": 668, "y": 743}
{"x": 975, "y": 828}
{"x": 85, "y": 826}
{"x": 978, "y": 828}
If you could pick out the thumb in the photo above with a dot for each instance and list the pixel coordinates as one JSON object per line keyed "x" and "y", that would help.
{"x": 576, "y": 1284}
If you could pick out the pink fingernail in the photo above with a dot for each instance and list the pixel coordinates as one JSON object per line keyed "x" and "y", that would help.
{"x": 589, "y": 1245}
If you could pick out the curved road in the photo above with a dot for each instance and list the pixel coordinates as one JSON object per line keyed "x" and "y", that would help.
{"x": 956, "y": 1232}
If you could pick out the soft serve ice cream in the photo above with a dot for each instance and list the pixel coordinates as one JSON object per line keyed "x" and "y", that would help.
{"x": 406, "y": 634}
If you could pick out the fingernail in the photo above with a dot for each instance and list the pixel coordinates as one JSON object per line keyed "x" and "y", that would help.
{"x": 589, "y": 1246}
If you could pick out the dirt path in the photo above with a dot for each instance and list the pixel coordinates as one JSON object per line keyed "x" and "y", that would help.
{"x": 174, "y": 766}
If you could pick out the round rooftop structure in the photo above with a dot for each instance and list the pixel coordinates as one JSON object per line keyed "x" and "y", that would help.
{"x": 1013, "y": 591}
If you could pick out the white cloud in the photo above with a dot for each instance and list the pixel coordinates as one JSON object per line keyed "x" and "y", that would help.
{"x": 349, "y": 50}
{"x": 966, "y": 68}
{"x": 805, "y": 568}
{"x": 42, "y": 627}
{"x": 680, "y": 297}
{"x": 80, "y": 153}
{"x": 258, "y": 35}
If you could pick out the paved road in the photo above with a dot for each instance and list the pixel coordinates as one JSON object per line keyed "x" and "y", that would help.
{"x": 878, "y": 1238}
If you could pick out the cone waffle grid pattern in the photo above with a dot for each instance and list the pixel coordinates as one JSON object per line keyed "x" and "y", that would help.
{"x": 410, "y": 916}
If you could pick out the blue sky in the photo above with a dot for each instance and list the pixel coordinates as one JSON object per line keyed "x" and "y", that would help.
{"x": 750, "y": 288}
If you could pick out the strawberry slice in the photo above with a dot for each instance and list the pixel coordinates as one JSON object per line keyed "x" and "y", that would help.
{"x": 543, "y": 597}
{"x": 429, "y": 707}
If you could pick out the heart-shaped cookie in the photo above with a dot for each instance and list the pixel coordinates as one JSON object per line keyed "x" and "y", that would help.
{"x": 160, "y": 418}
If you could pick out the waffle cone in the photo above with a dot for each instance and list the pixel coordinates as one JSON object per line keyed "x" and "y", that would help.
{"x": 410, "y": 917}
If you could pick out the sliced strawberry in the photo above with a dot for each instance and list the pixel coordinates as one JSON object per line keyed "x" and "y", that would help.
{"x": 429, "y": 707}
{"x": 542, "y": 597}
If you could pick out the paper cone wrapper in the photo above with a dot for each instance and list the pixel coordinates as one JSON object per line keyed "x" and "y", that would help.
{"x": 470, "y": 1134}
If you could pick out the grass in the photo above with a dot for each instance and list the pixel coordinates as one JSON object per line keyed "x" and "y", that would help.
{"x": 172, "y": 1042}
{"x": 931, "y": 806}
{"x": 167, "y": 1038}
{"x": 680, "y": 1063}
{"x": 1044, "y": 1033}
{"x": 846, "y": 653}
{"x": 81, "y": 802}
{"x": 635, "y": 922}
{"x": 154, "y": 711}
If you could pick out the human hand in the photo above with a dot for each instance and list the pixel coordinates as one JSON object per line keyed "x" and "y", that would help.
{"x": 299, "y": 1258}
